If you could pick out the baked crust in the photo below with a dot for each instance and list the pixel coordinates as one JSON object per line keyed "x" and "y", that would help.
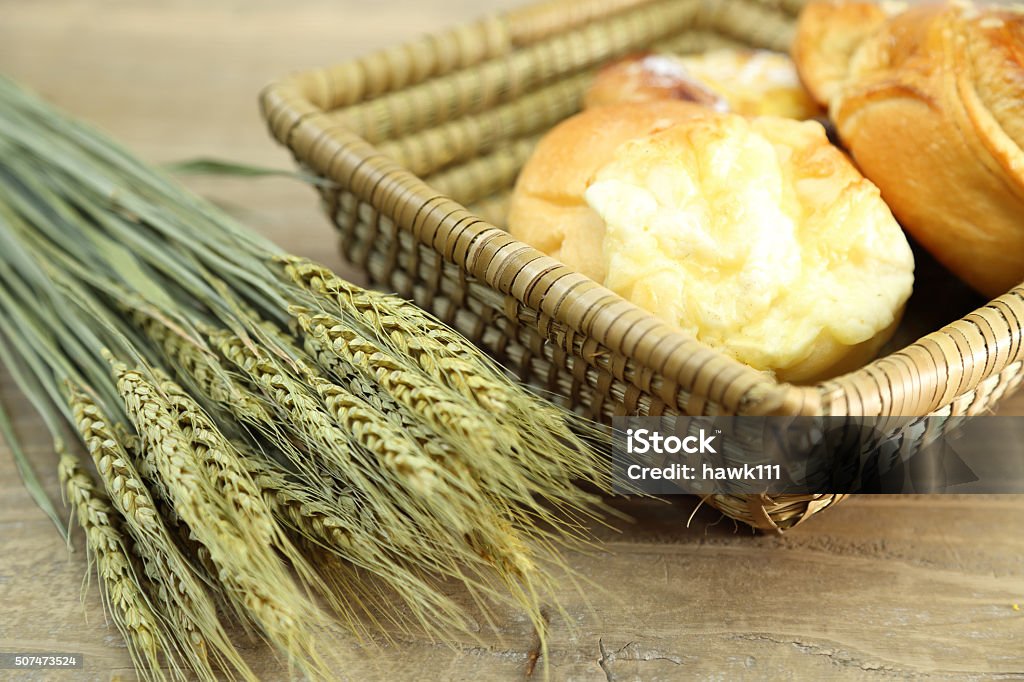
{"x": 748, "y": 82}
{"x": 930, "y": 103}
{"x": 547, "y": 209}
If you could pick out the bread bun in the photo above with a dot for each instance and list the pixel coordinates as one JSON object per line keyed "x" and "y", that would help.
{"x": 759, "y": 238}
{"x": 930, "y": 103}
{"x": 748, "y": 82}
{"x": 828, "y": 34}
{"x": 547, "y": 209}
{"x": 754, "y": 235}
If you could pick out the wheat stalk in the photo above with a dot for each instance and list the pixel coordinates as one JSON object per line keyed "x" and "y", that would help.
{"x": 349, "y": 443}
{"x": 409, "y": 331}
{"x": 336, "y": 450}
{"x": 132, "y": 612}
{"x": 433, "y": 445}
{"x": 181, "y": 597}
{"x": 427, "y": 400}
{"x": 221, "y": 462}
{"x": 335, "y": 526}
{"x": 374, "y": 403}
{"x": 478, "y": 524}
{"x": 254, "y": 579}
{"x": 203, "y": 368}
{"x": 484, "y": 445}
{"x": 194, "y": 554}
{"x": 450, "y": 359}
{"x": 229, "y": 466}
{"x": 500, "y": 543}
{"x": 394, "y": 448}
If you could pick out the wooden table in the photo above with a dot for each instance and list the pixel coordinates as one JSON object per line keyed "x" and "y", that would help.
{"x": 877, "y": 587}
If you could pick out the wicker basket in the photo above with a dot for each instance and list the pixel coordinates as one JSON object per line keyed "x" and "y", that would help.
{"x": 424, "y": 142}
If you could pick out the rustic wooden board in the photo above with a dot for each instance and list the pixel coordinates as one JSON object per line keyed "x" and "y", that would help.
{"x": 882, "y": 586}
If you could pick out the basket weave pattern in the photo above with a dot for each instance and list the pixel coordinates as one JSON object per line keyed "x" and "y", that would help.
{"x": 423, "y": 143}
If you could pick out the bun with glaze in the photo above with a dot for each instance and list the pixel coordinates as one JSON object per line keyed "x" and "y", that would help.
{"x": 754, "y": 235}
{"x": 748, "y": 82}
{"x": 930, "y": 103}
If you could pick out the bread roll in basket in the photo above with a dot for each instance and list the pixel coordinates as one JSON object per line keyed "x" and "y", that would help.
{"x": 748, "y": 82}
{"x": 930, "y": 103}
{"x": 754, "y": 235}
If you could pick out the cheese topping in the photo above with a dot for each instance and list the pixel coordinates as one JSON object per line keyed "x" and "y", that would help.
{"x": 755, "y": 236}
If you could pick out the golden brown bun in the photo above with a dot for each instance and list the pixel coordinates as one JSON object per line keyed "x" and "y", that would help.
{"x": 828, "y": 34}
{"x": 748, "y": 82}
{"x": 754, "y": 235}
{"x": 929, "y": 102}
{"x": 547, "y": 209}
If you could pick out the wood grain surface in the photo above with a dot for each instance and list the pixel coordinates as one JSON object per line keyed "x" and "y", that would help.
{"x": 878, "y": 587}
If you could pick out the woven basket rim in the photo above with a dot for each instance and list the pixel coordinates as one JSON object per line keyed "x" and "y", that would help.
{"x": 918, "y": 379}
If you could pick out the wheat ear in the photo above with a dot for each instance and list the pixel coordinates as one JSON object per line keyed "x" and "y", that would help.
{"x": 335, "y": 526}
{"x": 552, "y": 450}
{"x": 253, "y": 577}
{"x": 178, "y": 592}
{"x": 230, "y": 468}
{"x": 202, "y": 366}
{"x": 454, "y": 510}
{"x": 335, "y": 450}
{"x": 124, "y": 593}
{"x": 481, "y": 441}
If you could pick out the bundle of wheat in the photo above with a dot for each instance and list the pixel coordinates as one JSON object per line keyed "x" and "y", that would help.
{"x": 270, "y": 441}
